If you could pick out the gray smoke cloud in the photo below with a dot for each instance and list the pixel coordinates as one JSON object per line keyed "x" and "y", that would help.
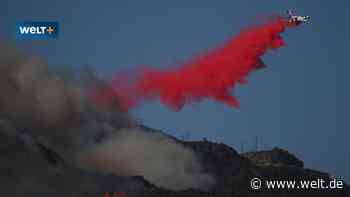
{"x": 32, "y": 97}
{"x": 49, "y": 109}
{"x": 158, "y": 158}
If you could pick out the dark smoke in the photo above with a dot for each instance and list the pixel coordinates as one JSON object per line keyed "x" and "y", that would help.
{"x": 50, "y": 111}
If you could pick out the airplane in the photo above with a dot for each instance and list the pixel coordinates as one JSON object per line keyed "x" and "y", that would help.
{"x": 295, "y": 19}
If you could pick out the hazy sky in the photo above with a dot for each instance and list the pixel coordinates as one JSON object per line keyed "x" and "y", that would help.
{"x": 300, "y": 102}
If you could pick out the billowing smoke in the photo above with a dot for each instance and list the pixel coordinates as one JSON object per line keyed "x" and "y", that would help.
{"x": 211, "y": 75}
{"x": 158, "y": 158}
{"x": 29, "y": 96}
{"x": 41, "y": 107}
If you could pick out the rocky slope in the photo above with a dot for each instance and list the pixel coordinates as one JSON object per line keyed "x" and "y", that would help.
{"x": 234, "y": 171}
{"x": 33, "y": 170}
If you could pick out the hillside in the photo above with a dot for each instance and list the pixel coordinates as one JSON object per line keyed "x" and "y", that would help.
{"x": 34, "y": 170}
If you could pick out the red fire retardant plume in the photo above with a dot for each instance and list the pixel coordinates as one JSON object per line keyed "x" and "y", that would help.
{"x": 210, "y": 75}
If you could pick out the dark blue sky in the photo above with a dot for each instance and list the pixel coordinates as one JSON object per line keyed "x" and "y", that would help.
{"x": 300, "y": 102}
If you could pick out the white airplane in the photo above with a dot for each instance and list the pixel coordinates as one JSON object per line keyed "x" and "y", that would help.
{"x": 296, "y": 19}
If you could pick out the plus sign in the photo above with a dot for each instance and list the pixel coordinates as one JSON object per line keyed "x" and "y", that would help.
{"x": 50, "y": 29}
